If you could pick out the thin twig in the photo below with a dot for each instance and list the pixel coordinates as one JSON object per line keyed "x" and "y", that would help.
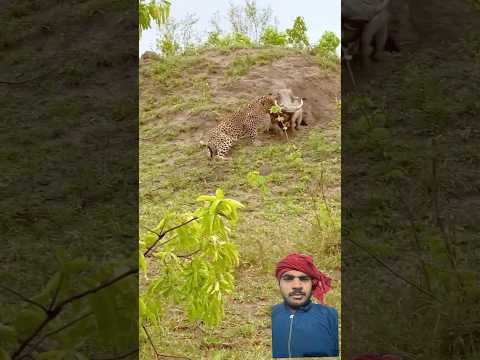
{"x": 53, "y": 313}
{"x": 67, "y": 325}
{"x": 96, "y": 289}
{"x": 33, "y": 335}
{"x": 392, "y": 271}
{"x": 163, "y": 233}
{"x": 150, "y": 340}
{"x": 24, "y": 298}
{"x": 188, "y": 255}
{"x": 57, "y": 290}
{"x": 173, "y": 356}
{"x": 51, "y": 333}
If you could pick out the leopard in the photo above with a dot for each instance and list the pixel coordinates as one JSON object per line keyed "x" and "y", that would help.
{"x": 241, "y": 124}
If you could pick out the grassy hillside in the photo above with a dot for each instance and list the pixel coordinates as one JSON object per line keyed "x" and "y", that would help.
{"x": 410, "y": 169}
{"x": 288, "y": 187}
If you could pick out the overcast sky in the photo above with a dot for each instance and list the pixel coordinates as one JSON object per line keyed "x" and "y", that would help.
{"x": 319, "y": 16}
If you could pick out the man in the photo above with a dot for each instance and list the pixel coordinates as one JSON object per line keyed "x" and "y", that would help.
{"x": 301, "y": 328}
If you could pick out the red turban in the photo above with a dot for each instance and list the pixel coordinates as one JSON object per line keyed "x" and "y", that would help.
{"x": 304, "y": 263}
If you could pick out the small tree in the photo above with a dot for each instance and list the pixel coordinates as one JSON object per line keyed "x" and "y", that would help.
{"x": 271, "y": 36}
{"x": 297, "y": 35}
{"x": 177, "y": 35}
{"x": 237, "y": 19}
{"x": 196, "y": 258}
{"x": 327, "y": 44}
{"x": 235, "y": 40}
{"x": 258, "y": 19}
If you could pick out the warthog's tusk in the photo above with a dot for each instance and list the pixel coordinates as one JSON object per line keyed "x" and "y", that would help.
{"x": 301, "y": 104}
{"x": 290, "y": 110}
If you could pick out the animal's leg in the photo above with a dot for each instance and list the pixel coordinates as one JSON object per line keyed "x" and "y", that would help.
{"x": 376, "y": 26}
{"x": 253, "y": 137}
{"x": 291, "y": 122}
{"x": 274, "y": 124}
{"x": 298, "y": 119}
{"x": 381, "y": 37}
{"x": 222, "y": 152}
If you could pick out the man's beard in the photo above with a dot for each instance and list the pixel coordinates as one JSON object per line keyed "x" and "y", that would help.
{"x": 297, "y": 305}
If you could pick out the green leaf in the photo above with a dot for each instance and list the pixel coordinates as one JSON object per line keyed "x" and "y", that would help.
{"x": 52, "y": 355}
{"x": 103, "y": 305}
{"x": 28, "y": 320}
{"x": 213, "y": 207}
{"x": 80, "y": 356}
{"x": 49, "y": 289}
{"x": 219, "y": 193}
{"x": 208, "y": 198}
{"x": 142, "y": 263}
{"x": 8, "y": 334}
{"x": 76, "y": 265}
{"x": 234, "y": 203}
{"x": 4, "y": 355}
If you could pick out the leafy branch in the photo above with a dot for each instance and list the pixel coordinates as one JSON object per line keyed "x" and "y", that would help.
{"x": 54, "y": 310}
{"x": 162, "y": 234}
{"x": 198, "y": 263}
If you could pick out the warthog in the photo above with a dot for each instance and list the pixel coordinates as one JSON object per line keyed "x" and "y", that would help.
{"x": 292, "y": 110}
{"x": 365, "y": 22}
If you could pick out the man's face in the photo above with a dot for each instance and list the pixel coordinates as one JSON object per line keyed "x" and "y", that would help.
{"x": 296, "y": 288}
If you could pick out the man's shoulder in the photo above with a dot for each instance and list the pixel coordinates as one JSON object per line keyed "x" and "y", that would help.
{"x": 278, "y": 308}
{"x": 325, "y": 310}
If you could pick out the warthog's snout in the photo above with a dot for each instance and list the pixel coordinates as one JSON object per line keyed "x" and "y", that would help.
{"x": 287, "y": 101}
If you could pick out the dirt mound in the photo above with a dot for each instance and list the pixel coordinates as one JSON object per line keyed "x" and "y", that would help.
{"x": 210, "y": 91}
{"x": 306, "y": 79}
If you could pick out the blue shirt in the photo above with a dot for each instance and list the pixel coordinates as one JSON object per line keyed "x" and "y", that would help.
{"x": 312, "y": 330}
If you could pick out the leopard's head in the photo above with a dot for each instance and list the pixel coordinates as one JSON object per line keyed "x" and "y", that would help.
{"x": 209, "y": 149}
{"x": 267, "y": 101}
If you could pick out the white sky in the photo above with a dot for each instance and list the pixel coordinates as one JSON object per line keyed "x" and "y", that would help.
{"x": 319, "y": 16}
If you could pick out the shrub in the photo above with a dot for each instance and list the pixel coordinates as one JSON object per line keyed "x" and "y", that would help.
{"x": 327, "y": 44}
{"x": 297, "y": 35}
{"x": 272, "y": 36}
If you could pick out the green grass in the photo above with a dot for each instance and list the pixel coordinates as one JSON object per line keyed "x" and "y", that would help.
{"x": 242, "y": 64}
{"x": 393, "y": 136}
{"x": 284, "y": 187}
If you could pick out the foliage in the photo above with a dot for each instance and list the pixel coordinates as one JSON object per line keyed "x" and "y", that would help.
{"x": 271, "y": 36}
{"x": 176, "y": 36}
{"x": 256, "y": 180}
{"x": 275, "y": 109}
{"x": 229, "y": 41}
{"x": 475, "y": 4}
{"x": 327, "y": 44}
{"x": 297, "y": 35}
{"x": 196, "y": 258}
{"x": 76, "y": 306}
{"x": 168, "y": 46}
{"x": 241, "y": 66}
{"x": 151, "y": 11}
{"x": 257, "y": 18}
